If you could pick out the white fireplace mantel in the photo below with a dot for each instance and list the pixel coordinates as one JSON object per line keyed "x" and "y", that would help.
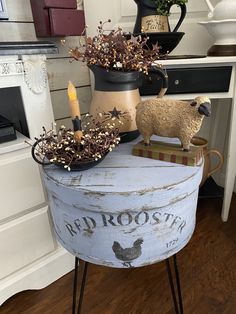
{"x": 30, "y": 256}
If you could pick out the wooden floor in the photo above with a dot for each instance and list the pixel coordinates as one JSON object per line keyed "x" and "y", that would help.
{"x": 208, "y": 276}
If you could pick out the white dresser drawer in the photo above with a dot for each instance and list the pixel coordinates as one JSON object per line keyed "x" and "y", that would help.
{"x": 25, "y": 240}
{"x": 20, "y": 183}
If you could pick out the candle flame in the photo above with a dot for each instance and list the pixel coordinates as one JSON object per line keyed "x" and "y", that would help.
{"x": 72, "y": 92}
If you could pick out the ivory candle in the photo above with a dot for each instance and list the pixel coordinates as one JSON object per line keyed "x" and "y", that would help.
{"x": 74, "y": 103}
{"x": 75, "y": 111}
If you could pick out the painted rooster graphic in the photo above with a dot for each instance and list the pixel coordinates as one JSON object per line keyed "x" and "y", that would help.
{"x": 127, "y": 255}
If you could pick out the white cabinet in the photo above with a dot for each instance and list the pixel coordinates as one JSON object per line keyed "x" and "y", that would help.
{"x": 28, "y": 238}
{"x": 21, "y": 180}
{"x": 30, "y": 257}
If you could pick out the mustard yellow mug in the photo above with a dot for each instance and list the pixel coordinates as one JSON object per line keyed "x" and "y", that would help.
{"x": 207, "y": 171}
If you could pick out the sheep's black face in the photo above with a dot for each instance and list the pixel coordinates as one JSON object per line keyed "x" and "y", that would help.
{"x": 205, "y": 109}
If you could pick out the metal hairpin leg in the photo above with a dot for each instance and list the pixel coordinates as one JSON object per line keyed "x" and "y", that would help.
{"x": 81, "y": 287}
{"x": 75, "y": 285}
{"x": 177, "y": 304}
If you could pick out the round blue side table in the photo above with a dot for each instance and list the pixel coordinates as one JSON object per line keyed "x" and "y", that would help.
{"x": 126, "y": 212}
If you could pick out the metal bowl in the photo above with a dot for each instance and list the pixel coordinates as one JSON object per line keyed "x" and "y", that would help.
{"x": 43, "y": 158}
{"x": 83, "y": 165}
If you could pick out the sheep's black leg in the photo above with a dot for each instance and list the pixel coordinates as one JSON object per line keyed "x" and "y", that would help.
{"x": 177, "y": 305}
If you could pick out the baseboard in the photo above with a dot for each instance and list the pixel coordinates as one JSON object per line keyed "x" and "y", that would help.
{"x": 211, "y": 190}
{"x": 220, "y": 180}
{"x": 38, "y": 274}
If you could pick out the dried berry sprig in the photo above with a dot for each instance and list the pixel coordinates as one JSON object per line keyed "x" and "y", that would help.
{"x": 98, "y": 139}
{"x": 115, "y": 50}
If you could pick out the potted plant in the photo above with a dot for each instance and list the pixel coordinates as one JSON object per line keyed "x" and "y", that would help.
{"x": 153, "y": 15}
{"x": 118, "y": 62}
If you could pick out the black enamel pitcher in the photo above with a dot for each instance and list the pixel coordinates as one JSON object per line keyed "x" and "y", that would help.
{"x": 116, "y": 95}
{"x": 149, "y": 21}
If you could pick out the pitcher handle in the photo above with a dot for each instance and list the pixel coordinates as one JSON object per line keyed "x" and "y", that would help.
{"x": 220, "y": 162}
{"x": 182, "y": 16}
{"x": 164, "y": 77}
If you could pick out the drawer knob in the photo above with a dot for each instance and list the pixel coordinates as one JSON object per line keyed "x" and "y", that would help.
{"x": 177, "y": 82}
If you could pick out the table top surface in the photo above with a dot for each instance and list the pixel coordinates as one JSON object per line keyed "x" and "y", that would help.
{"x": 120, "y": 172}
{"x": 198, "y": 61}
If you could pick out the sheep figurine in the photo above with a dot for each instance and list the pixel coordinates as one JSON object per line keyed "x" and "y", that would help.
{"x": 172, "y": 118}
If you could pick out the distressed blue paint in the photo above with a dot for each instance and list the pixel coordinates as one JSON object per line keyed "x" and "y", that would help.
{"x": 127, "y": 212}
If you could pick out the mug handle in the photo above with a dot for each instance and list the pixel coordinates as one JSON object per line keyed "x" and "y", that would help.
{"x": 220, "y": 162}
{"x": 164, "y": 77}
{"x": 182, "y": 16}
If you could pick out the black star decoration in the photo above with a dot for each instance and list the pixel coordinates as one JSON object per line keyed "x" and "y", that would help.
{"x": 115, "y": 113}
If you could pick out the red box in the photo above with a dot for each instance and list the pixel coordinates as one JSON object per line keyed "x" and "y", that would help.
{"x": 66, "y": 22}
{"x": 63, "y": 4}
{"x": 57, "y": 18}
